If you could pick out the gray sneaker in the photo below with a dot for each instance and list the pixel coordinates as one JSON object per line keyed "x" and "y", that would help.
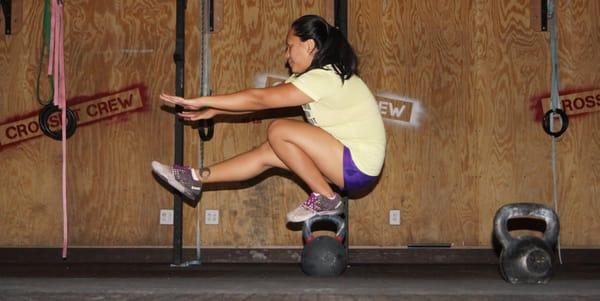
{"x": 182, "y": 178}
{"x": 316, "y": 204}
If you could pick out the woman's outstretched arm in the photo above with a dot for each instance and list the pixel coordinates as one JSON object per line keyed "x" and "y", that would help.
{"x": 255, "y": 99}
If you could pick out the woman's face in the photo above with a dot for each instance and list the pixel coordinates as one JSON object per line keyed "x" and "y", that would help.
{"x": 299, "y": 55}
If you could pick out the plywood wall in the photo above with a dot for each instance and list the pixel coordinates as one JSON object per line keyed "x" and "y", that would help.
{"x": 469, "y": 70}
{"x": 475, "y": 67}
{"x": 113, "y": 201}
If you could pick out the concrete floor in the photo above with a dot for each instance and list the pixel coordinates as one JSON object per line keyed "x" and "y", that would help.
{"x": 285, "y": 282}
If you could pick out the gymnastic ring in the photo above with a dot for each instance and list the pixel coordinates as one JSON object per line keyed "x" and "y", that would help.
{"x": 206, "y": 129}
{"x": 45, "y": 114}
{"x": 564, "y": 121}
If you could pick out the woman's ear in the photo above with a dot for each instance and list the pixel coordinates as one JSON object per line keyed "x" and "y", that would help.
{"x": 311, "y": 46}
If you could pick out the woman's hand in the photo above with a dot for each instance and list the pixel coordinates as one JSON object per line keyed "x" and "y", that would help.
{"x": 189, "y": 104}
{"x": 207, "y": 113}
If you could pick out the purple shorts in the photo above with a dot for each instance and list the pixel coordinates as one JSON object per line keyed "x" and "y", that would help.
{"x": 355, "y": 181}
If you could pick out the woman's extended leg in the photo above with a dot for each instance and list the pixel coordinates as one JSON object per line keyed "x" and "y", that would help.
{"x": 243, "y": 166}
{"x": 247, "y": 165}
{"x": 308, "y": 151}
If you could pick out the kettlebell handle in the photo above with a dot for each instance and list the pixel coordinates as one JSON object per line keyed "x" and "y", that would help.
{"x": 340, "y": 234}
{"x": 526, "y": 210}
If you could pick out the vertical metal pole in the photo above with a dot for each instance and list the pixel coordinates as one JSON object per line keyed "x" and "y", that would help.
{"x": 341, "y": 16}
{"x": 7, "y": 11}
{"x": 341, "y": 22}
{"x": 179, "y": 58}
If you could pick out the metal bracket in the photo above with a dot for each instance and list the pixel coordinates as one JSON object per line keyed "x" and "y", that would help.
{"x": 539, "y": 15}
{"x": 544, "y": 14}
{"x": 7, "y": 11}
{"x": 341, "y": 16}
{"x": 215, "y": 18}
{"x": 211, "y": 15}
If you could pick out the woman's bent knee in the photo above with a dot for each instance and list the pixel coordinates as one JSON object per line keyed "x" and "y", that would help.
{"x": 267, "y": 156}
{"x": 279, "y": 129}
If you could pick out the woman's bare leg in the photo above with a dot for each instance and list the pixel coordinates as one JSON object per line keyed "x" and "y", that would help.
{"x": 243, "y": 166}
{"x": 310, "y": 152}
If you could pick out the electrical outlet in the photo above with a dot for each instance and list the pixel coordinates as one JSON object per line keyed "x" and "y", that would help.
{"x": 166, "y": 216}
{"x": 394, "y": 217}
{"x": 211, "y": 217}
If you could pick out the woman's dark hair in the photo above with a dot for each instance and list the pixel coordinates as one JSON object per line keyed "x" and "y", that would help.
{"x": 332, "y": 46}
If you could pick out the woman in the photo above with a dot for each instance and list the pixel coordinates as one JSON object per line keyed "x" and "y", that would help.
{"x": 343, "y": 142}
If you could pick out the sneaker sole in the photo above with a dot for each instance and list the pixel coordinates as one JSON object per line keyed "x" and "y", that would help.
{"x": 320, "y": 213}
{"x": 331, "y": 212}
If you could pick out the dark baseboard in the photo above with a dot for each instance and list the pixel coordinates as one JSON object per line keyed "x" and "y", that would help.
{"x": 274, "y": 255}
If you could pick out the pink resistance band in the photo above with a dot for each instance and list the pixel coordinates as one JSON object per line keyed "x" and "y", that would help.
{"x": 56, "y": 67}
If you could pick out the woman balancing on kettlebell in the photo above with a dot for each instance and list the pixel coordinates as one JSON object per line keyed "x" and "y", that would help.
{"x": 343, "y": 142}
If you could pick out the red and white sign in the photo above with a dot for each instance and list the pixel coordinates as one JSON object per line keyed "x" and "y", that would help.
{"x": 576, "y": 103}
{"x": 87, "y": 111}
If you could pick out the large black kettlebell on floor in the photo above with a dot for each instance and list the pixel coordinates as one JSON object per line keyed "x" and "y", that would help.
{"x": 324, "y": 256}
{"x": 526, "y": 259}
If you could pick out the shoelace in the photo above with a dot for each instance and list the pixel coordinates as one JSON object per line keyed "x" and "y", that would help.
{"x": 180, "y": 173}
{"x": 312, "y": 202}
{"x": 183, "y": 174}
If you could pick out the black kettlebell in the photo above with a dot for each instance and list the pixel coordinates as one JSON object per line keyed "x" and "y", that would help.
{"x": 324, "y": 256}
{"x": 526, "y": 259}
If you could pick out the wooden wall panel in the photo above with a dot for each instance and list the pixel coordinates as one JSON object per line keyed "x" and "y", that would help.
{"x": 27, "y": 173}
{"x": 515, "y": 163}
{"x": 579, "y": 163}
{"x": 113, "y": 197}
{"x": 422, "y": 51}
{"x": 511, "y": 143}
{"x": 473, "y": 66}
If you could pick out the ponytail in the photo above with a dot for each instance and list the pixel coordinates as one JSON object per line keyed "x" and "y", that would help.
{"x": 332, "y": 47}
